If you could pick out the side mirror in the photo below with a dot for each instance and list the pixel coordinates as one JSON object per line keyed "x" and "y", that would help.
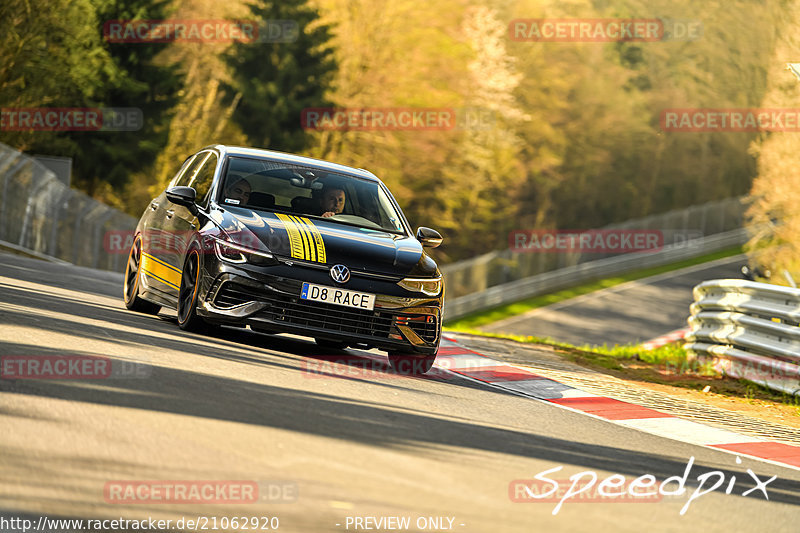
{"x": 184, "y": 196}
{"x": 430, "y": 238}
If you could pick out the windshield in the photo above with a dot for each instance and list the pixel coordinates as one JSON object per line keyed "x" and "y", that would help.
{"x": 265, "y": 185}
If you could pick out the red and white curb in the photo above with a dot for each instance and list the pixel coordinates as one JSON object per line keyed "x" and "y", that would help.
{"x": 672, "y": 336}
{"x": 457, "y": 359}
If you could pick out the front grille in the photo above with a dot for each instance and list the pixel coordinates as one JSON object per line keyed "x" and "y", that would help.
{"x": 319, "y": 315}
{"x": 314, "y": 315}
{"x": 424, "y": 326}
{"x": 231, "y": 295}
{"x": 426, "y": 331}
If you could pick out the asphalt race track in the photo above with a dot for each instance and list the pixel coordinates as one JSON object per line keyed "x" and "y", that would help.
{"x": 325, "y": 448}
{"x": 626, "y": 314}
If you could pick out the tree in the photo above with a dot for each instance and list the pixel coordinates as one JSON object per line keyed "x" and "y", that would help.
{"x": 275, "y": 81}
{"x": 57, "y": 58}
{"x": 483, "y": 181}
{"x": 106, "y": 160}
{"x": 52, "y": 57}
{"x": 774, "y": 216}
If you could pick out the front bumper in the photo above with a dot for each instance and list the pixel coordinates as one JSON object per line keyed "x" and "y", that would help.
{"x": 271, "y": 303}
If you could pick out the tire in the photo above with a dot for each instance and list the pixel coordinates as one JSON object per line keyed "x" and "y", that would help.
{"x": 411, "y": 364}
{"x": 130, "y": 287}
{"x": 330, "y": 345}
{"x": 187, "y": 294}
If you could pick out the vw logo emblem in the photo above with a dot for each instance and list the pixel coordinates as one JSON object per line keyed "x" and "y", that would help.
{"x": 340, "y": 273}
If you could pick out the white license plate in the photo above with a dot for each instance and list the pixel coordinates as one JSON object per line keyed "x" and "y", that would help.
{"x": 332, "y": 295}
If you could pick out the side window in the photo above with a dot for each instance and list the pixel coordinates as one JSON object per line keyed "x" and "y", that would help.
{"x": 184, "y": 175}
{"x": 204, "y": 177}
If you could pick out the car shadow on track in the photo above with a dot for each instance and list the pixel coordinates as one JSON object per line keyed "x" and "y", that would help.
{"x": 194, "y": 394}
{"x": 203, "y": 395}
{"x": 357, "y": 363}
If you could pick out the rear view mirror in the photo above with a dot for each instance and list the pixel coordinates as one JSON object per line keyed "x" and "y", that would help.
{"x": 430, "y": 238}
{"x": 307, "y": 181}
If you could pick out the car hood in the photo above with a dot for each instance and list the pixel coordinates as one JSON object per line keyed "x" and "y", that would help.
{"x": 321, "y": 241}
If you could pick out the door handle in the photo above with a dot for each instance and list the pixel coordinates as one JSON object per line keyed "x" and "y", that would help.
{"x": 153, "y": 206}
{"x": 170, "y": 213}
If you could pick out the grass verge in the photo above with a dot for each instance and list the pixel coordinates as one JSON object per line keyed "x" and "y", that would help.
{"x": 481, "y": 318}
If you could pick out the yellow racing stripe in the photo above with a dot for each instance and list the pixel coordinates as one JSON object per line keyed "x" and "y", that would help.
{"x": 158, "y": 269}
{"x": 305, "y": 240}
{"x": 318, "y": 243}
{"x": 309, "y": 254}
{"x": 295, "y": 240}
{"x": 304, "y": 237}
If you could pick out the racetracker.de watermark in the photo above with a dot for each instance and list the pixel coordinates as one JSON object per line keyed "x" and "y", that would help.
{"x": 193, "y": 523}
{"x": 604, "y": 30}
{"x": 606, "y": 241}
{"x": 446, "y": 367}
{"x": 352, "y": 367}
{"x": 616, "y": 489}
{"x": 71, "y": 119}
{"x": 200, "y": 491}
{"x": 175, "y": 243}
{"x": 585, "y": 241}
{"x": 153, "y": 241}
{"x": 756, "y": 370}
{"x": 397, "y": 118}
{"x": 704, "y": 120}
{"x": 586, "y": 30}
{"x": 200, "y": 31}
{"x": 70, "y": 367}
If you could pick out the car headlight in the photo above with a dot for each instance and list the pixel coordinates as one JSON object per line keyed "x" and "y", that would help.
{"x": 236, "y": 253}
{"x": 427, "y": 286}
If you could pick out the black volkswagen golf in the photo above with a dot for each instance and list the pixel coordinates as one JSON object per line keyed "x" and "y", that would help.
{"x": 283, "y": 243}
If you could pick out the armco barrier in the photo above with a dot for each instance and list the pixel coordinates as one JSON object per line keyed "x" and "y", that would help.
{"x": 40, "y": 213}
{"x": 572, "y": 275}
{"x": 748, "y": 330}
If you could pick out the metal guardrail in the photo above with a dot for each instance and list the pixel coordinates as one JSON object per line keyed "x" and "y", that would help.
{"x": 40, "y": 213}
{"x": 748, "y": 330}
{"x": 584, "y": 272}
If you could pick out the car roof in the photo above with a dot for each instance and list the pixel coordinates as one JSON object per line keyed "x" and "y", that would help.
{"x": 292, "y": 159}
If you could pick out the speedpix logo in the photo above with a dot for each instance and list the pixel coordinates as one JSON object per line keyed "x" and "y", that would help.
{"x": 588, "y": 487}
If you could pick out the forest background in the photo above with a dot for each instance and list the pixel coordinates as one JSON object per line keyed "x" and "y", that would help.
{"x": 569, "y": 136}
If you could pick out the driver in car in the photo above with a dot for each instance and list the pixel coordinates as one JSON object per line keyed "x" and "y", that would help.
{"x": 238, "y": 192}
{"x": 331, "y": 201}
